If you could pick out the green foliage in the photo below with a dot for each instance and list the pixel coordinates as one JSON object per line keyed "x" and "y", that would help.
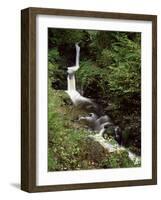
{"x": 57, "y": 37}
{"x": 125, "y": 69}
{"x": 109, "y": 60}
{"x": 117, "y": 160}
{"x": 110, "y": 73}
{"x": 53, "y": 55}
{"x": 65, "y": 138}
{"x": 69, "y": 147}
{"x": 92, "y": 80}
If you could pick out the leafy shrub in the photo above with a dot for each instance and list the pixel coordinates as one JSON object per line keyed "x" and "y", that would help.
{"x": 110, "y": 73}
{"x": 117, "y": 160}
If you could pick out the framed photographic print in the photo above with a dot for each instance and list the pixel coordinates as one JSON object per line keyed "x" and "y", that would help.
{"x": 89, "y": 99}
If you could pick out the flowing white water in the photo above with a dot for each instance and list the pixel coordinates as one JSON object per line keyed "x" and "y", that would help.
{"x": 115, "y": 148}
{"x": 71, "y": 82}
{"x": 77, "y": 54}
{"x": 75, "y": 96}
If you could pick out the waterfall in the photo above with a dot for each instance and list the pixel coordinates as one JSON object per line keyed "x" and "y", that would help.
{"x": 77, "y": 54}
{"x": 71, "y": 82}
{"x": 71, "y": 85}
{"x": 75, "y": 96}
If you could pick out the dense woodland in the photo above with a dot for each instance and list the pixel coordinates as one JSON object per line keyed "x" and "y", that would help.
{"x": 109, "y": 74}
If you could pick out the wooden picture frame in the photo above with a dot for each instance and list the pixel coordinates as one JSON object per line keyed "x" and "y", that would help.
{"x": 28, "y": 98}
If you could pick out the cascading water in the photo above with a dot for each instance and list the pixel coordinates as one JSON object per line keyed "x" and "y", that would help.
{"x": 71, "y": 72}
{"x": 71, "y": 83}
{"x": 95, "y": 123}
{"x": 75, "y": 96}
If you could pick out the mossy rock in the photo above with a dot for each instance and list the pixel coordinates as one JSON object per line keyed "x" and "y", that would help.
{"x": 95, "y": 151}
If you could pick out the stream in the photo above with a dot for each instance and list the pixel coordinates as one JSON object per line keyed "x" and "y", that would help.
{"x": 100, "y": 125}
